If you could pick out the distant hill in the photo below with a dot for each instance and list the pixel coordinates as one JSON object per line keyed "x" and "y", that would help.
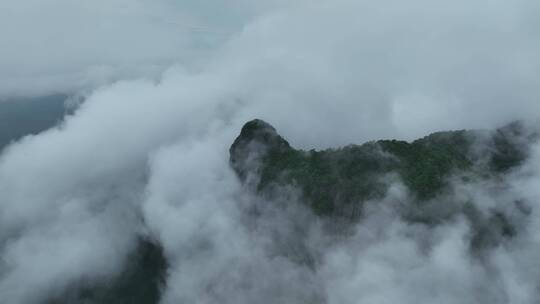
{"x": 23, "y": 116}
{"x": 143, "y": 273}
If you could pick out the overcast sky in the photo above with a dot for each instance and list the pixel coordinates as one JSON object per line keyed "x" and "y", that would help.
{"x": 397, "y": 68}
{"x": 61, "y": 45}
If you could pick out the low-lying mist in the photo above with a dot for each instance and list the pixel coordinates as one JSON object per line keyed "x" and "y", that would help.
{"x": 144, "y": 159}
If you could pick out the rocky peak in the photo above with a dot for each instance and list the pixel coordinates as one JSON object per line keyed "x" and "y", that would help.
{"x": 257, "y": 138}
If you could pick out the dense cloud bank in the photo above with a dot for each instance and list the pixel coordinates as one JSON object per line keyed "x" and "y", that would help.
{"x": 147, "y": 156}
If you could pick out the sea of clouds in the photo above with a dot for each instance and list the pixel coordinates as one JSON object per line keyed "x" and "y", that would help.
{"x": 167, "y": 86}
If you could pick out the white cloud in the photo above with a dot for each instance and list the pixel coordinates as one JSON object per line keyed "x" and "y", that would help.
{"x": 324, "y": 73}
{"x": 64, "y": 46}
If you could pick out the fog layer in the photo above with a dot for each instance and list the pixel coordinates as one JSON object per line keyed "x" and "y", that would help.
{"x": 147, "y": 152}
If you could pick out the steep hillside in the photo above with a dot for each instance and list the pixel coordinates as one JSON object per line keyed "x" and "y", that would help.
{"x": 336, "y": 183}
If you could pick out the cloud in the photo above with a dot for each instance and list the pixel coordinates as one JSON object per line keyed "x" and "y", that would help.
{"x": 62, "y": 46}
{"x": 147, "y": 151}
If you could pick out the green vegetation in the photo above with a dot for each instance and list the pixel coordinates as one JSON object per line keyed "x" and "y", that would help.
{"x": 425, "y": 164}
{"x": 338, "y": 181}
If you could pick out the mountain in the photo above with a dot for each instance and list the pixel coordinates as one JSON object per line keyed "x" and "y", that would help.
{"x": 336, "y": 183}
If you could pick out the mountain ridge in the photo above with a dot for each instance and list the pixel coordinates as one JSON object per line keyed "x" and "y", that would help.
{"x": 350, "y": 173}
